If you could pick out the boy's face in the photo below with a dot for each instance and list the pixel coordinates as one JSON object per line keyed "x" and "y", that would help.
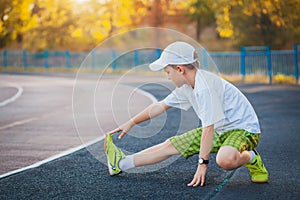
{"x": 175, "y": 75}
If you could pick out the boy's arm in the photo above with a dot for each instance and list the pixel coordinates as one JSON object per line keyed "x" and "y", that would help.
{"x": 205, "y": 148}
{"x": 150, "y": 112}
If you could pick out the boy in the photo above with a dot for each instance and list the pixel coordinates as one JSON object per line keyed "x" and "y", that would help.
{"x": 230, "y": 126}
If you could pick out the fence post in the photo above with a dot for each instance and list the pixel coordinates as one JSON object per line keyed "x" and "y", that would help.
{"x": 296, "y": 62}
{"x": 114, "y": 56}
{"x": 24, "y": 59}
{"x": 268, "y": 52}
{"x": 46, "y": 61}
{"x": 136, "y": 58}
{"x": 5, "y": 58}
{"x": 158, "y": 51}
{"x": 205, "y": 62}
{"x": 243, "y": 70}
{"x": 68, "y": 59}
{"x": 93, "y": 59}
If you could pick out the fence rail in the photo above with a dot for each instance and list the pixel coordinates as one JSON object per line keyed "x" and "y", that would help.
{"x": 250, "y": 60}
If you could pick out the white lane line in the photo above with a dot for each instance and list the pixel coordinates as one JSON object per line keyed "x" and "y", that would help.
{"x": 52, "y": 158}
{"x": 13, "y": 98}
{"x": 147, "y": 94}
{"x": 17, "y": 123}
{"x": 70, "y": 151}
{"x": 142, "y": 92}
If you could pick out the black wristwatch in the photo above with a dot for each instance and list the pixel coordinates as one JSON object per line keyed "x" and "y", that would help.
{"x": 202, "y": 161}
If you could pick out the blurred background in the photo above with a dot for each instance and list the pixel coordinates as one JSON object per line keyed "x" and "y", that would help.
{"x": 79, "y": 25}
{"x": 243, "y": 37}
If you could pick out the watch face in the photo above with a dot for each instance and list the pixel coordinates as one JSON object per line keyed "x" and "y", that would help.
{"x": 202, "y": 161}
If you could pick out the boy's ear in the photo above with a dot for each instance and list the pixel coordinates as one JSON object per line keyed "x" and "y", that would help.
{"x": 180, "y": 68}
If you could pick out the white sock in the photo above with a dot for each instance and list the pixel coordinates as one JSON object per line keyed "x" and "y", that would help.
{"x": 252, "y": 155}
{"x": 127, "y": 163}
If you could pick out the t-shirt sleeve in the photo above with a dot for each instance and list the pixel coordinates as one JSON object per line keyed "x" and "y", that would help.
{"x": 178, "y": 99}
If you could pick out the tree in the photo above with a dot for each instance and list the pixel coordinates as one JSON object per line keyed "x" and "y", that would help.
{"x": 5, "y": 9}
{"x": 202, "y": 13}
{"x": 16, "y": 20}
{"x": 260, "y": 22}
{"x": 55, "y": 20}
{"x": 54, "y": 24}
{"x": 101, "y": 19}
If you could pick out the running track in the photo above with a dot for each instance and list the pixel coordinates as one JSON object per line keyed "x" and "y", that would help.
{"x": 80, "y": 175}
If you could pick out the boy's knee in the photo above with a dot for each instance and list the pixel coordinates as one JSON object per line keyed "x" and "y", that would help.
{"x": 226, "y": 160}
{"x": 227, "y": 164}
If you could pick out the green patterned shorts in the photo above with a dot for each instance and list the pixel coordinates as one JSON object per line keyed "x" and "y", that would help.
{"x": 188, "y": 143}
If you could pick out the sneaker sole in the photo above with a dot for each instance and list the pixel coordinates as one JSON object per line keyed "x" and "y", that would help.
{"x": 104, "y": 146}
{"x": 108, "y": 168}
{"x": 108, "y": 164}
{"x": 253, "y": 181}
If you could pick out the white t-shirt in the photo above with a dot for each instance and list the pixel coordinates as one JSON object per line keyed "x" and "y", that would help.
{"x": 216, "y": 102}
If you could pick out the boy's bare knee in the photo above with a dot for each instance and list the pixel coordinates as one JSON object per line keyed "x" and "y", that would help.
{"x": 226, "y": 159}
{"x": 227, "y": 164}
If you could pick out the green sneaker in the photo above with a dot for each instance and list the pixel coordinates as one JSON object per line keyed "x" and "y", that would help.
{"x": 113, "y": 154}
{"x": 257, "y": 170}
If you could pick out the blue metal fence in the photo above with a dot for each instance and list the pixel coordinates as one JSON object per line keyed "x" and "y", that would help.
{"x": 250, "y": 60}
{"x": 296, "y": 64}
{"x": 227, "y": 62}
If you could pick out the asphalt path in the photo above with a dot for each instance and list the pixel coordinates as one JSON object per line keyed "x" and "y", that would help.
{"x": 83, "y": 174}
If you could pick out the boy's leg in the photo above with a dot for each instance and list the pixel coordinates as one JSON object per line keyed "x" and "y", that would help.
{"x": 235, "y": 149}
{"x": 238, "y": 150}
{"x": 230, "y": 158}
{"x": 186, "y": 144}
{"x": 155, "y": 154}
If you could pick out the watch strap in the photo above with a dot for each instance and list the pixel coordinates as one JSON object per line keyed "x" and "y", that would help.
{"x": 203, "y": 161}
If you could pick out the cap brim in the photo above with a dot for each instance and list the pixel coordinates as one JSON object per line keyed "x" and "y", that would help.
{"x": 157, "y": 65}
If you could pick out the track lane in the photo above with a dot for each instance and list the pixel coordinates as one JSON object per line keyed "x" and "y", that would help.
{"x": 80, "y": 175}
{"x": 40, "y": 124}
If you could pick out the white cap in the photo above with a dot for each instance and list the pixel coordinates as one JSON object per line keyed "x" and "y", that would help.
{"x": 177, "y": 53}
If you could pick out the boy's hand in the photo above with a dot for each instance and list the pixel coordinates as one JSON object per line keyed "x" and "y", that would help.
{"x": 199, "y": 177}
{"x": 124, "y": 128}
